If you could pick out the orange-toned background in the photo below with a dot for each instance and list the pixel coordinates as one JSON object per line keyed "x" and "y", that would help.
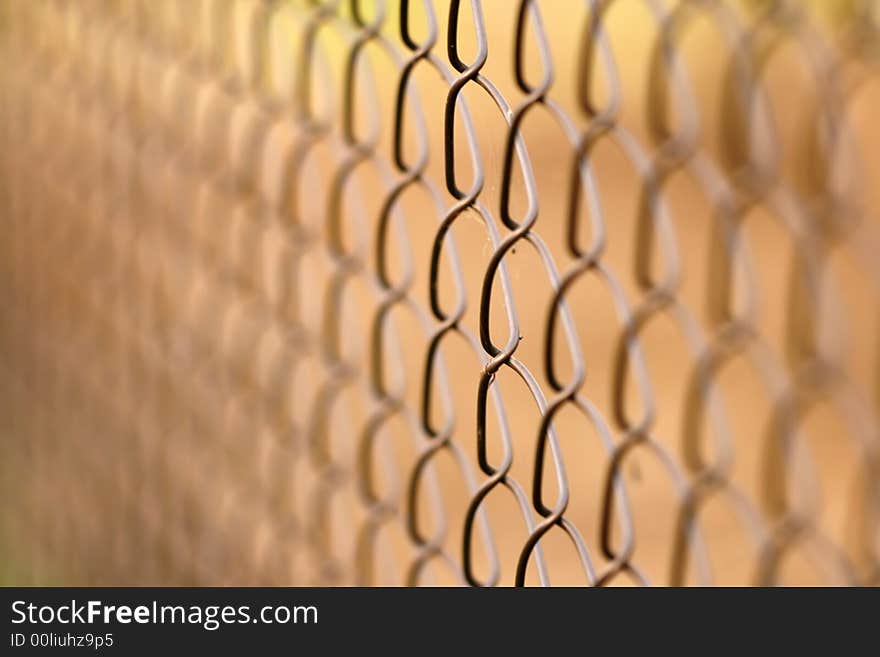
{"x": 158, "y": 421}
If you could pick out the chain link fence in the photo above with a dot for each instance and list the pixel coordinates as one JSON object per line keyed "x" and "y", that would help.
{"x": 440, "y": 292}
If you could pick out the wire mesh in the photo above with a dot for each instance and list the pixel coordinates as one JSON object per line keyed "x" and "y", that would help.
{"x": 425, "y": 292}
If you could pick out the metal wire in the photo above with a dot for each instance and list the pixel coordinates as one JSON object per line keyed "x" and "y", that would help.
{"x": 250, "y": 336}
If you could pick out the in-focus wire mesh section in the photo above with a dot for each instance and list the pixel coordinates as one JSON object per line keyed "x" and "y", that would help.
{"x": 414, "y": 292}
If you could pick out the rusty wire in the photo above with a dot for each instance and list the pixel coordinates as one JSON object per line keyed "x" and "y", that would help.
{"x": 176, "y": 411}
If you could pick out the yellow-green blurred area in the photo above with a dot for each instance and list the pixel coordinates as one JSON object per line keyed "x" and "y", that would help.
{"x": 220, "y": 358}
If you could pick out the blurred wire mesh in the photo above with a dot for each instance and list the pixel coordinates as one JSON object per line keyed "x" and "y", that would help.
{"x": 440, "y": 292}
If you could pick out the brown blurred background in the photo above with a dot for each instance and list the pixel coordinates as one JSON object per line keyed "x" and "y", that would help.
{"x": 217, "y": 333}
